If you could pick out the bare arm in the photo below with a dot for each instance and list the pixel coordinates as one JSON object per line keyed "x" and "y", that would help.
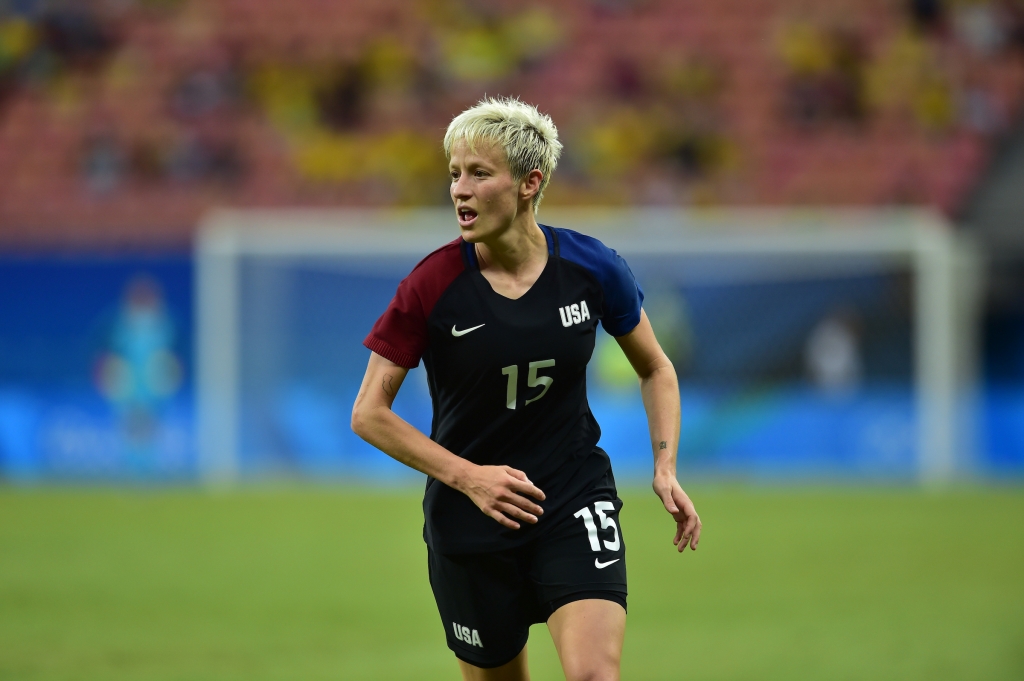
{"x": 496, "y": 490}
{"x": 659, "y": 389}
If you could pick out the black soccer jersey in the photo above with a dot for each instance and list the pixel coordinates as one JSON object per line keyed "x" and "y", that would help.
{"x": 507, "y": 377}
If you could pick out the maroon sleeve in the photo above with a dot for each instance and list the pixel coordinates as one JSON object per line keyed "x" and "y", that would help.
{"x": 400, "y": 334}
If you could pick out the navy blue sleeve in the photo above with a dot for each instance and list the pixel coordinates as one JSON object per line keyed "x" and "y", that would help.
{"x": 622, "y": 295}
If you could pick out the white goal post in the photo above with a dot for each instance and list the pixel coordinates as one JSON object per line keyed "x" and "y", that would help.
{"x": 944, "y": 267}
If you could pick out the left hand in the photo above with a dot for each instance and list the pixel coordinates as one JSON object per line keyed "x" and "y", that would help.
{"x": 681, "y": 508}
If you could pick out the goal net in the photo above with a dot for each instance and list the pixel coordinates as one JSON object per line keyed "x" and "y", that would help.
{"x": 809, "y": 343}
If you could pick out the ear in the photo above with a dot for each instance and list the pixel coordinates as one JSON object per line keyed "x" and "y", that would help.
{"x": 530, "y": 185}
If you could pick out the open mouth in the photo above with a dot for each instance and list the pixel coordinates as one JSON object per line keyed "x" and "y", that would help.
{"x": 467, "y": 216}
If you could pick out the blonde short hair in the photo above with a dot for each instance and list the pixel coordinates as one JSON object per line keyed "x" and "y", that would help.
{"x": 528, "y": 137}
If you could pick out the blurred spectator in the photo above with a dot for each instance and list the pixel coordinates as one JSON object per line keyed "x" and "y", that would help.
{"x": 692, "y": 139}
{"x": 615, "y": 8}
{"x": 195, "y": 158}
{"x": 206, "y": 90}
{"x": 981, "y": 26}
{"x": 18, "y": 38}
{"x": 400, "y": 87}
{"x": 614, "y": 145}
{"x": 401, "y": 166}
{"x": 832, "y": 354}
{"x": 186, "y": 158}
{"x": 825, "y": 74}
{"x": 484, "y": 42}
{"x": 979, "y": 110}
{"x": 39, "y": 41}
{"x": 287, "y": 95}
{"x": 845, "y": 84}
{"x": 147, "y": 160}
{"x": 534, "y": 36}
{"x": 103, "y": 162}
{"x": 927, "y": 15}
{"x": 625, "y": 80}
{"x": 76, "y": 34}
{"x": 1013, "y": 13}
{"x": 695, "y": 153}
{"x": 906, "y": 81}
{"x": 690, "y": 79}
{"x": 342, "y": 100}
{"x": 933, "y": 103}
{"x": 477, "y": 54}
{"x": 140, "y": 371}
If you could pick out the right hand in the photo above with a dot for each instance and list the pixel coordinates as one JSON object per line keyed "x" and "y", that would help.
{"x": 498, "y": 492}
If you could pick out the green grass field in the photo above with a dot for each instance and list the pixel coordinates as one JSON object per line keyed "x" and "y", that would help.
{"x": 312, "y": 583}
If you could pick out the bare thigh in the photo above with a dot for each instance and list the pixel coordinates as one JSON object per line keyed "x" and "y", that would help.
{"x": 588, "y": 636}
{"x": 516, "y": 670}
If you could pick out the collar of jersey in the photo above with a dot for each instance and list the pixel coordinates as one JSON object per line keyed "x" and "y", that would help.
{"x": 469, "y": 251}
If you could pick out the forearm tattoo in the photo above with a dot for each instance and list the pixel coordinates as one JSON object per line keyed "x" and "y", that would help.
{"x": 386, "y": 386}
{"x": 662, "y": 445}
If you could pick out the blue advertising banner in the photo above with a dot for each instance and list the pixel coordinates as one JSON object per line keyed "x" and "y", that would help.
{"x": 95, "y": 367}
{"x": 779, "y": 380}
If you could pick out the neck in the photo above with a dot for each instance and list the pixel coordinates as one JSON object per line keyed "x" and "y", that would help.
{"x": 516, "y": 248}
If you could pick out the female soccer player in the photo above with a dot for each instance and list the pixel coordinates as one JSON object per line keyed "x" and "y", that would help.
{"x": 520, "y": 506}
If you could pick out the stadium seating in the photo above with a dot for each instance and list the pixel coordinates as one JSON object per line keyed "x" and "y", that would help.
{"x": 190, "y": 105}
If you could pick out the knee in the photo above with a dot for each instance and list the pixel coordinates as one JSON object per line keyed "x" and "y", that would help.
{"x": 591, "y": 672}
{"x": 594, "y": 675}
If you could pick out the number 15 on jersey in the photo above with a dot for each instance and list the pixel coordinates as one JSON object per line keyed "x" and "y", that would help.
{"x": 533, "y": 380}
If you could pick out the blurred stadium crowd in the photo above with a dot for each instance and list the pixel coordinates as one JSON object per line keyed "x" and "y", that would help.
{"x": 122, "y": 121}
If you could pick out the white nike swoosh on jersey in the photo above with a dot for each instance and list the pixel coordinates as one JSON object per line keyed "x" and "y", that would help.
{"x": 599, "y": 565}
{"x": 463, "y": 333}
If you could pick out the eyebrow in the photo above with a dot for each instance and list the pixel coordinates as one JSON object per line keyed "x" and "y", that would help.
{"x": 472, "y": 164}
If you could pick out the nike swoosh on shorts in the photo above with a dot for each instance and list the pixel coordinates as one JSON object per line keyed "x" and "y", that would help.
{"x": 599, "y": 565}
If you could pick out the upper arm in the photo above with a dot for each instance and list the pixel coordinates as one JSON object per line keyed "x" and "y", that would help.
{"x": 400, "y": 334}
{"x": 642, "y": 349}
{"x": 622, "y": 295}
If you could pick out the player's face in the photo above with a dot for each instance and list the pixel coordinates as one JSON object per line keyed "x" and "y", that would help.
{"x": 485, "y": 195}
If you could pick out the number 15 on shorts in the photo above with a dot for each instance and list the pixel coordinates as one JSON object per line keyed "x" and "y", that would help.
{"x": 588, "y": 521}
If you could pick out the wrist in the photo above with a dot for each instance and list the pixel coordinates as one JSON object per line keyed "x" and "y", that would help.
{"x": 665, "y": 462}
{"x": 664, "y": 471}
{"x": 458, "y": 478}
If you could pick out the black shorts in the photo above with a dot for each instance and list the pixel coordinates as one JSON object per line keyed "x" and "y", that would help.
{"x": 487, "y": 601}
